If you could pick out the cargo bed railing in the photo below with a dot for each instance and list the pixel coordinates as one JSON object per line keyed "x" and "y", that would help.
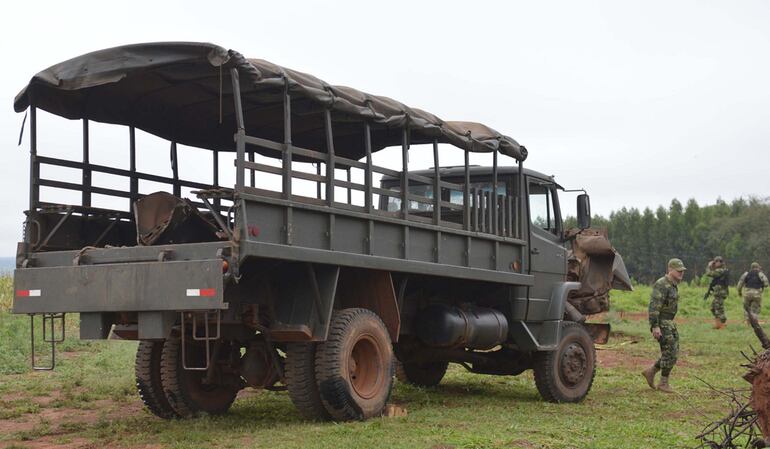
{"x": 482, "y": 211}
{"x": 87, "y": 188}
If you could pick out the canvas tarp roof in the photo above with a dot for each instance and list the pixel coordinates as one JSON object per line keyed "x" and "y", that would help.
{"x": 182, "y": 92}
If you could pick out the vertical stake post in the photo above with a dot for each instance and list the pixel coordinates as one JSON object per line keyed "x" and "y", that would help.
{"x": 175, "y": 170}
{"x": 287, "y": 148}
{"x": 494, "y": 228}
{"x": 34, "y": 165}
{"x": 523, "y": 200}
{"x": 133, "y": 181}
{"x": 330, "y": 162}
{"x": 350, "y": 190}
{"x": 368, "y": 175}
{"x": 215, "y": 178}
{"x": 240, "y": 136}
{"x": 86, "y": 181}
{"x": 405, "y": 172}
{"x": 466, "y": 193}
{"x": 436, "y": 185}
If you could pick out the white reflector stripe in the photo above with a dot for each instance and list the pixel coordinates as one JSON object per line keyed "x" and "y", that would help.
{"x": 206, "y": 292}
{"x": 26, "y": 293}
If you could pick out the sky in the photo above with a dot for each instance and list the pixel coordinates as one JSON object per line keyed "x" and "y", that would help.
{"x": 638, "y": 102}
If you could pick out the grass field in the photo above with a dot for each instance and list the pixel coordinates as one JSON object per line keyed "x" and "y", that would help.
{"x": 90, "y": 401}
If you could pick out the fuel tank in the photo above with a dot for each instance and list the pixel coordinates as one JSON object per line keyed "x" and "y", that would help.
{"x": 473, "y": 327}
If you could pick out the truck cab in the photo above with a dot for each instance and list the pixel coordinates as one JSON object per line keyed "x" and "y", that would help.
{"x": 543, "y": 229}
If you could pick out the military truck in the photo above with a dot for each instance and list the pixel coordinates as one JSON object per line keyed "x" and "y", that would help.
{"x": 327, "y": 280}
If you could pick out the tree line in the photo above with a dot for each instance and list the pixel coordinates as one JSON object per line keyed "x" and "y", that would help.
{"x": 738, "y": 231}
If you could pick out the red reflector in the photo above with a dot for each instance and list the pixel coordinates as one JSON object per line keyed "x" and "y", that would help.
{"x": 22, "y": 292}
{"x": 208, "y": 292}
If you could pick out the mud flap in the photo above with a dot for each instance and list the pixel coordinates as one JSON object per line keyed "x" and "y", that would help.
{"x": 305, "y": 308}
{"x": 544, "y": 335}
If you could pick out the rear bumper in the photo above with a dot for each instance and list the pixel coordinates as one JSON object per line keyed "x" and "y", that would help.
{"x": 120, "y": 287}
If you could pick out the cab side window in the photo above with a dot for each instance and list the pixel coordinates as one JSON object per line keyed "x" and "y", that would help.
{"x": 542, "y": 207}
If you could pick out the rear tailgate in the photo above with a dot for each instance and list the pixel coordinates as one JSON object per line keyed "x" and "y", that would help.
{"x": 120, "y": 287}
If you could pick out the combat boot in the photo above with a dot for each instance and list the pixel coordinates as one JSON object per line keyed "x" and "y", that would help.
{"x": 649, "y": 375}
{"x": 664, "y": 386}
{"x": 717, "y": 323}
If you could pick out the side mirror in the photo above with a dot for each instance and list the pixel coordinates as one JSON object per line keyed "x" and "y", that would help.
{"x": 583, "y": 211}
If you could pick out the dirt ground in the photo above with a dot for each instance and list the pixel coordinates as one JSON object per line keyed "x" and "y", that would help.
{"x": 60, "y": 423}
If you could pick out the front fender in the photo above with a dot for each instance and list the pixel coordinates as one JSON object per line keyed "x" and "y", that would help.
{"x": 544, "y": 335}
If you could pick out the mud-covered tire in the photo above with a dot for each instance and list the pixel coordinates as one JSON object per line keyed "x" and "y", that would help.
{"x": 421, "y": 374}
{"x": 354, "y": 366}
{"x": 301, "y": 381}
{"x": 566, "y": 374}
{"x": 148, "y": 383}
{"x": 184, "y": 389}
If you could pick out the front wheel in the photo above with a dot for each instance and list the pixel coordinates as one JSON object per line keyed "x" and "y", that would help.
{"x": 566, "y": 374}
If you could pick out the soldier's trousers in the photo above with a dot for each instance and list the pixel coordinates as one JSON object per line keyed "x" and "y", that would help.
{"x": 752, "y": 300}
{"x": 669, "y": 347}
{"x": 718, "y": 308}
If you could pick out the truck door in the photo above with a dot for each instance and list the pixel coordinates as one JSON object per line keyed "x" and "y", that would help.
{"x": 547, "y": 256}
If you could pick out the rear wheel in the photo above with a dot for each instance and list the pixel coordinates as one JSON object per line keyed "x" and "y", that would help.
{"x": 186, "y": 391}
{"x": 148, "y": 383}
{"x": 421, "y": 374}
{"x": 354, "y": 366}
{"x": 301, "y": 381}
{"x": 566, "y": 374}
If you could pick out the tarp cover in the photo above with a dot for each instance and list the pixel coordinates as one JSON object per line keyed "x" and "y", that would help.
{"x": 182, "y": 91}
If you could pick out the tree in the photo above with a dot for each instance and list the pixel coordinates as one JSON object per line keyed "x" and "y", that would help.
{"x": 739, "y": 232}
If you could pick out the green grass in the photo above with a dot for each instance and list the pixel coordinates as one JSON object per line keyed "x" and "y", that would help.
{"x": 466, "y": 411}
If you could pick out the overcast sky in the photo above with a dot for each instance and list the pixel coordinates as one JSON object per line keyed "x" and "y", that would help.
{"x": 638, "y": 102}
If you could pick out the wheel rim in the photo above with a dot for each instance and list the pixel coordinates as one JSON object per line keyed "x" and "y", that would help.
{"x": 573, "y": 365}
{"x": 365, "y": 367}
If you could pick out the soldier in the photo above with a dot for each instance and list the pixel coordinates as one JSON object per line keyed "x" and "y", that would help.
{"x": 664, "y": 302}
{"x": 754, "y": 281}
{"x": 718, "y": 288}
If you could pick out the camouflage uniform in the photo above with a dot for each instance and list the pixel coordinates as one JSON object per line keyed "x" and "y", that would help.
{"x": 664, "y": 303}
{"x": 719, "y": 292}
{"x": 752, "y": 297}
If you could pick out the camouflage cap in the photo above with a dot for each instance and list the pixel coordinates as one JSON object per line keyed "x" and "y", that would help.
{"x": 755, "y": 266}
{"x": 718, "y": 259}
{"x": 676, "y": 264}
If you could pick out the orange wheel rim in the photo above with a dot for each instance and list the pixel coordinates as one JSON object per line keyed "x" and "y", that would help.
{"x": 365, "y": 367}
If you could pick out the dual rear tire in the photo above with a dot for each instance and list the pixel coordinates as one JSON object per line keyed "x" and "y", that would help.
{"x": 347, "y": 377}
{"x": 170, "y": 391}
{"x": 148, "y": 379}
